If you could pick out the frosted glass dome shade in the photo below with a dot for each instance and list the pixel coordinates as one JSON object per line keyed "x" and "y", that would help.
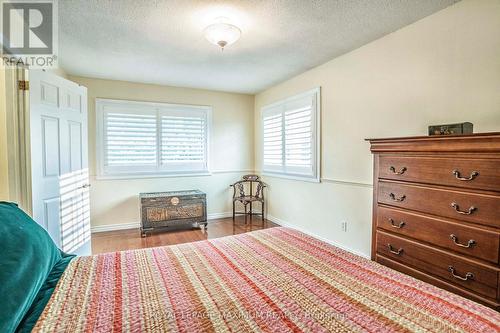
{"x": 222, "y": 34}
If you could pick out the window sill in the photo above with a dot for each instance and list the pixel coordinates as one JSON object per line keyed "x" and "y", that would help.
{"x": 152, "y": 175}
{"x": 292, "y": 177}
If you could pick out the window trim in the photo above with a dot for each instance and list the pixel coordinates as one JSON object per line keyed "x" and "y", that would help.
{"x": 316, "y": 178}
{"x": 101, "y": 174}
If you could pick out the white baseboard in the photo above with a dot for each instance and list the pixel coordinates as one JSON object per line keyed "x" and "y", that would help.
{"x": 113, "y": 227}
{"x": 214, "y": 216}
{"x": 136, "y": 225}
{"x": 288, "y": 225}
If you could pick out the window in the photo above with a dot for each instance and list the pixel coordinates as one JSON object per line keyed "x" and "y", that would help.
{"x": 290, "y": 130}
{"x": 141, "y": 138}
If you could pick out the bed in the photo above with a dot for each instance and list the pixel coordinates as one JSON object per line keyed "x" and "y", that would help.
{"x": 273, "y": 280}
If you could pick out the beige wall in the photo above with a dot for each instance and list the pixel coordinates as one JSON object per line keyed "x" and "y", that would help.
{"x": 442, "y": 69}
{"x": 231, "y": 150}
{"x": 4, "y": 171}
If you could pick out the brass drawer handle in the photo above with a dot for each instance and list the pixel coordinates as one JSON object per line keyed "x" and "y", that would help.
{"x": 468, "y": 275}
{"x": 470, "y": 243}
{"x": 398, "y": 226}
{"x": 400, "y": 172}
{"x": 391, "y": 249}
{"x": 457, "y": 209}
{"x": 393, "y": 197}
{"x": 473, "y": 175}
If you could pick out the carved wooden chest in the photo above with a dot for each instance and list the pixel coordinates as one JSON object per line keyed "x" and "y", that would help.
{"x": 163, "y": 210}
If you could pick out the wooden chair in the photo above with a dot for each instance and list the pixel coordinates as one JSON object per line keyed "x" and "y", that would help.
{"x": 239, "y": 194}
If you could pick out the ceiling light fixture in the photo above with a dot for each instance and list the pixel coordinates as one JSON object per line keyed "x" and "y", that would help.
{"x": 222, "y": 33}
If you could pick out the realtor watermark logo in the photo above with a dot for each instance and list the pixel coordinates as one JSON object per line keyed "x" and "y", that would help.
{"x": 29, "y": 32}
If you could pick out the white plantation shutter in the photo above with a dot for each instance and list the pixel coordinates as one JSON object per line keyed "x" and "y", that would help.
{"x": 299, "y": 131}
{"x": 273, "y": 140}
{"x": 129, "y": 139}
{"x": 151, "y": 138}
{"x": 183, "y": 140}
{"x": 291, "y": 136}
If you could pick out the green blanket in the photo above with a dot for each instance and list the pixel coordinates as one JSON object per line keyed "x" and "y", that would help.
{"x": 30, "y": 267}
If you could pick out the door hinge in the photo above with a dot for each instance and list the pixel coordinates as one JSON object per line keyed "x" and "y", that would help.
{"x": 24, "y": 85}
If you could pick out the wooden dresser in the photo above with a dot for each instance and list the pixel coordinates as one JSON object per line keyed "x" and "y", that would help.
{"x": 436, "y": 211}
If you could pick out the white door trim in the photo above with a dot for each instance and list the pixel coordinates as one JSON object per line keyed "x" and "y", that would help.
{"x": 19, "y": 149}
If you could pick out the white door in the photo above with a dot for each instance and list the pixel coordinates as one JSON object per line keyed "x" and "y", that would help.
{"x": 59, "y": 163}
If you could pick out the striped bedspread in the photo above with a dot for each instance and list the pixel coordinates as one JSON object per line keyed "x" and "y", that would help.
{"x": 274, "y": 280}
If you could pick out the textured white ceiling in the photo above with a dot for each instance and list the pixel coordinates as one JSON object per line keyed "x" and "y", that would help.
{"x": 162, "y": 41}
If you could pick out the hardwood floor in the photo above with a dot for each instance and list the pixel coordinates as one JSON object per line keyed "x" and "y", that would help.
{"x": 111, "y": 241}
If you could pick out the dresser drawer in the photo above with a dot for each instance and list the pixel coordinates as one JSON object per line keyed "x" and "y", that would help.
{"x": 466, "y": 173}
{"x": 475, "y": 242}
{"x": 476, "y": 277}
{"x": 466, "y": 206}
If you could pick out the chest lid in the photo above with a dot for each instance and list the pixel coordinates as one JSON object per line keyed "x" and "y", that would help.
{"x": 146, "y": 195}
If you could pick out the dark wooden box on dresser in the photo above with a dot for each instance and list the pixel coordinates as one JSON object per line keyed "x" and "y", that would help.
{"x": 436, "y": 211}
